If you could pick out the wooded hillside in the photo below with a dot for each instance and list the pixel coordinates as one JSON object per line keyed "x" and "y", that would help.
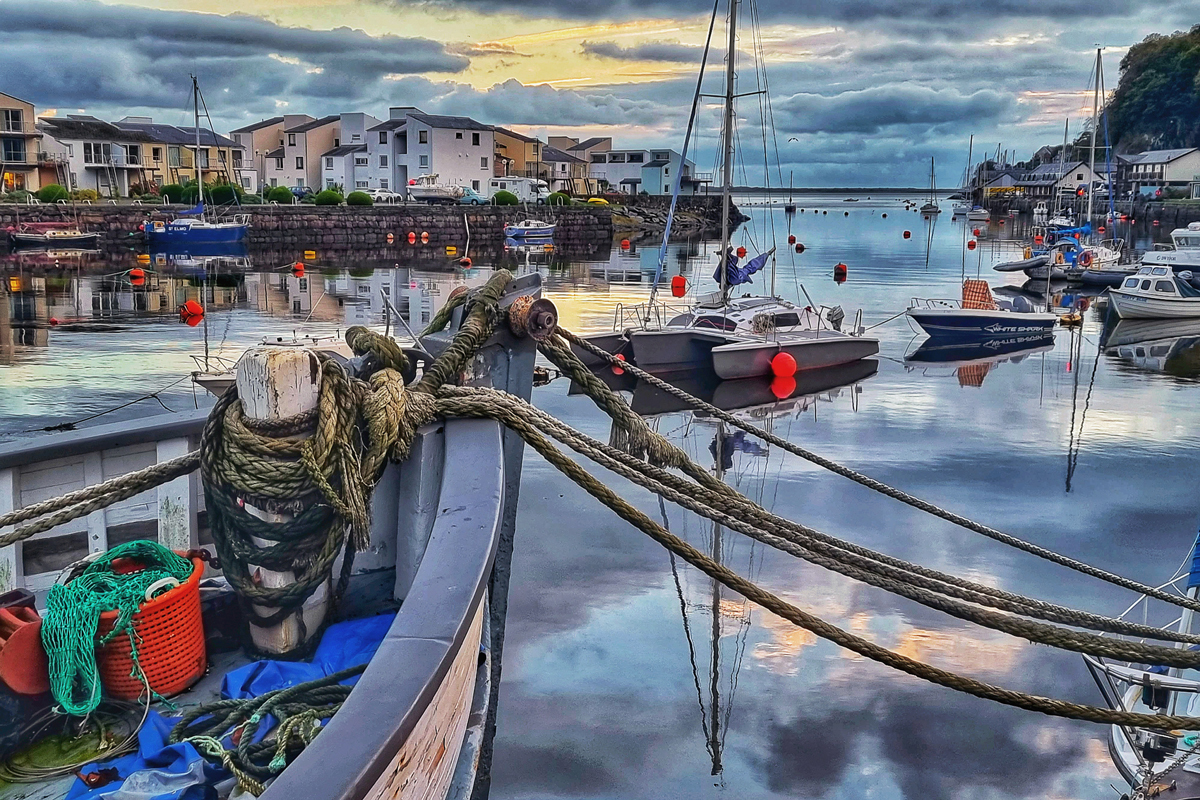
{"x": 1157, "y": 102}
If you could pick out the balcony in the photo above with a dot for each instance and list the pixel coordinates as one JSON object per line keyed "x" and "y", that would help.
{"x": 22, "y": 128}
{"x": 113, "y": 160}
{"x": 19, "y": 158}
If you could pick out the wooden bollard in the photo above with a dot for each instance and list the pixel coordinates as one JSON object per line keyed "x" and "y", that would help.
{"x": 276, "y": 382}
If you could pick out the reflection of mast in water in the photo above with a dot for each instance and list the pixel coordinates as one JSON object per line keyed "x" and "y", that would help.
{"x": 1075, "y": 442}
{"x": 932, "y": 220}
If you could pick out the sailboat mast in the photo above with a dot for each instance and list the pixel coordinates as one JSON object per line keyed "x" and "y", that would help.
{"x": 1095, "y": 126}
{"x": 1062, "y": 161}
{"x": 196, "y": 117}
{"x": 727, "y": 166}
{"x": 967, "y": 174}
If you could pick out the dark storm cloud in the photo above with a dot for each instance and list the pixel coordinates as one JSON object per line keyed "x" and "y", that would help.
{"x": 70, "y": 53}
{"x": 872, "y": 110}
{"x": 672, "y": 52}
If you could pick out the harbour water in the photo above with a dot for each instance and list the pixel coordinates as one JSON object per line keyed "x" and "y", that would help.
{"x": 612, "y": 688}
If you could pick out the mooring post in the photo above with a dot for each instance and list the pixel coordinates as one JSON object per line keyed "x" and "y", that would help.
{"x": 276, "y": 382}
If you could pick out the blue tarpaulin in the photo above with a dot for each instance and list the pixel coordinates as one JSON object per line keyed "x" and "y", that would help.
{"x": 735, "y": 275}
{"x": 193, "y": 212}
{"x": 158, "y": 771}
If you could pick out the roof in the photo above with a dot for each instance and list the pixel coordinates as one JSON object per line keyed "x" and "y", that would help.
{"x": 276, "y": 153}
{"x": 592, "y": 142}
{"x": 90, "y": 128}
{"x": 1050, "y": 173}
{"x": 18, "y": 99}
{"x": 554, "y": 154}
{"x": 172, "y": 134}
{"x": 656, "y": 163}
{"x": 439, "y": 121}
{"x": 316, "y": 123}
{"x": 388, "y": 125}
{"x": 258, "y": 125}
{"x": 1159, "y": 156}
{"x": 631, "y": 180}
{"x": 519, "y": 136}
{"x": 345, "y": 150}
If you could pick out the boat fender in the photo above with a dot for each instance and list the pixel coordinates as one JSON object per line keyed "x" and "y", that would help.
{"x": 1084, "y": 303}
{"x": 1058, "y": 257}
{"x": 1085, "y": 258}
{"x": 1028, "y": 252}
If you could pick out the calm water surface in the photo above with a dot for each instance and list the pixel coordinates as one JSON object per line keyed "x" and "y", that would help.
{"x": 626, "y": 675}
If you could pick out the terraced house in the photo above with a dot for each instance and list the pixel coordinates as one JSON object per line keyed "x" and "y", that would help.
{"x": 18, "y": 145}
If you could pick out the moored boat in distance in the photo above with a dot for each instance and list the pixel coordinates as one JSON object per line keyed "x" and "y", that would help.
{"x": 49, "y": 234}
{"x": 426, "y": 189}
{"x": 529, "y": 229}
{"x": 1184, "y": 252}
{"x": 1156, "y": 293}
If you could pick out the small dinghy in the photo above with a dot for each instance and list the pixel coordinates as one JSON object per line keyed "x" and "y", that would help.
{"x": 1032, "y": 262}
{"x": 529, "y": 229}
{"x": 978, "y": 316}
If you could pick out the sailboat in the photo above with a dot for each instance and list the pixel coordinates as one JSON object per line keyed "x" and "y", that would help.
{"x": 790, "y": 206}
{"x": 739, "y": 336}
{"x": 1101, "y": 261}
{"x": 964, "y": 206}
{"x": 931, "y": 206}
{"x": 192, "y": 227}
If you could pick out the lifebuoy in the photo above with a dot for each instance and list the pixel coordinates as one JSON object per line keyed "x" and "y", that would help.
{"x": 1085, "y": 258}
{"x": 1083, "y": 304}
{"x": 1028, "y": 252}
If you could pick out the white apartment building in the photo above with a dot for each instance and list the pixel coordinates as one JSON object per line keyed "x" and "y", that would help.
{"x": 347, "y": 164}
{"x": 410, "y": 143}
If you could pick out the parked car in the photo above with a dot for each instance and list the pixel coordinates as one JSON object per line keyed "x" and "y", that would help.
{"x": 301, "y": 192}
{"x": 385, "y": 196}
{"x": 470, "y": 197}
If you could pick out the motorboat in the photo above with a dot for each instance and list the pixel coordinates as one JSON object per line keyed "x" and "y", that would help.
{"x": 1029, "y": 262}
{"x": 49, "y": 234}
{"x": 529, "y": 229}
{"x": 1156, "y": 293}
{"x": 1183, "y": 253}
{"x": 979, "y": 214}
{"x": 979, "y": 316}
{"x": 1061, "y": 219}
{"x": 427, "y": 189}
{"x": 1041, "y": 211}
{"x": 819, "y": 348}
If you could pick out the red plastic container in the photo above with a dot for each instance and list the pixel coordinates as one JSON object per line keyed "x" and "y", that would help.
{"x": 170, "y": 646}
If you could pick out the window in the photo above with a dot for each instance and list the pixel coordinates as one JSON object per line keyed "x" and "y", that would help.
{"x": 383, "y": 183}
{"x": 383, "y": 137}
{"x": 299, "y": 162}
{"x": 562, "y": 168}
{"x": 329, "y": 182}
{"x": 666, "y": 172}
{"x": 274, "y": 182}
{"x": 599, "y": 158}
{"x": 383, "y": 161}
{"x": 1145, "y": 286}
{"x": 422, "y": 137}
{"x": 424, "y": 161}
{"x": 172, "y": 156}
{"x": 12, "y": 120}
{"x": 475, "y": 185}
{"x": 483, "y": 162}
{"x": 303, "y": 284}
{"x": 1167, "y": 287}
{"x": 245, "y": 181}
{"x": 458, "y": 134}
{"x": 329, "y": 163}
{"x": 279, "y": 163}
{"x": 337, "y": 142}
{"x": 360, "y": 184}
{"x": 221, "y": 155}
{"x": 361, "y": 161}
{"x": 661, "y": 155}
{"x": 203, "y": 158}
{"x": 1078, "y": 176}
{"x": 156, "y": 154}
{"x": 354, "y": 137}
{"x": 636, "y": 158}
{"x": 237, "y": 158}
{"x": 475, "y": 139}
{"x": 616, "y": 158}
{"x": 291, "y": 140}
{"x": 14, "y": 150}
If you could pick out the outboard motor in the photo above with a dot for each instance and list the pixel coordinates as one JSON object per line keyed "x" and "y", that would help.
{"x": 1021, "y": 304}
{"x": 835, "y": 317}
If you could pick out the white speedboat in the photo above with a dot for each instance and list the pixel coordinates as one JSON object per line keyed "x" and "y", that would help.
{"x": 427, "y": 189}
{"x": 1184, "y": 252}
{"x": 1041, "y": 211}
{"x": 1156, "y": 293}
{"x": 529, "y": 229}
{"x": 979, "y": 316}
{"x": 979, "y": 214}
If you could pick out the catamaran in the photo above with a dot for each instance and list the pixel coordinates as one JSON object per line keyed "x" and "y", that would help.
{"x": 192, "y": 226}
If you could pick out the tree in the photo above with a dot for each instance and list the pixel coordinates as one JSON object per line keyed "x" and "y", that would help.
{"x": 1157, "y": 102}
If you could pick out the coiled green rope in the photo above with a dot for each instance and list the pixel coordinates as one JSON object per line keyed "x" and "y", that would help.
{"x": 73, "y": 615}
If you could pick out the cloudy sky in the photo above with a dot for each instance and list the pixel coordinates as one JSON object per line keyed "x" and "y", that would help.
{"x": 863, "y": 91}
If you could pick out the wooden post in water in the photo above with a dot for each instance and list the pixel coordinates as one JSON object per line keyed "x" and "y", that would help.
{"x": 276, "y": 382}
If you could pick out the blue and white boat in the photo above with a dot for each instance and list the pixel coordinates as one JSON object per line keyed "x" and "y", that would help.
{"x": 529, "y": 229}
{"x": 979, "y": 316}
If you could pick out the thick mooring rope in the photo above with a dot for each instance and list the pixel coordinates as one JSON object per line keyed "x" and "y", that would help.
{"x": 876, "y": 485}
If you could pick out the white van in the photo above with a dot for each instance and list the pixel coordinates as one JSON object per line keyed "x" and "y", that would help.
{"x": 527, "y": 190}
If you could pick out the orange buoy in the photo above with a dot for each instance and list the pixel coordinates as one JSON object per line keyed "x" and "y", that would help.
{"x": 847, "y": 213}
{"x": 1155, "y": 223}
{"x": 1038, "y": 239}
{"x": 799, "y": 247}
{"x": 1101, "y": 229}
{"x": 975, "y": 232}
{"x": 624, "y": 244}
{"x": 137, "y": 272}
{"x": 424, "y": 237}
{"x": 839, "y": 271}
{"x": 412, "y": 238}
{"x": 908, "y": 234}
{"x": 678, "y": 286}
{"x": 971, "y": 245}
{"x": 885, "y": 216}
{"x": 1077, "y": 236}
{"x": 390, "y": 238}
{"x": 298, "y": 269}
{"x": 194, "y": 321}
{"x": 783, "y": 387}
{"x": 1001, "y": 223}
{"x": 137, "y": 281}
{"x": 741, "y": 252}
{"x": 53, "y": 321}
{"x": 192, "y": 308}
{"x": 792, "y": 239}
{"x": 618, "y": 370}
{"x": 783, "y": 365}
{"x": 823, "y": 212}
{"x": 465, "y": 262}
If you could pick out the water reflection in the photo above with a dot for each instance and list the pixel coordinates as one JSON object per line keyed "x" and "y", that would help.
{"x": 1168, "y": 346}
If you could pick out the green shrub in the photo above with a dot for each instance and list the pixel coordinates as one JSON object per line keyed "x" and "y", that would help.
{"x": 329, "y": 198}
{"x": 189, "y": 195}
{"x": 309, "y": 199}
{"x": 222, "y": 194}
{"x": 359, "y": 199}
{"x": 503, "y": 198}
{"x": 281, "y": 195}
{"x": 251, "y": 200}
{"x": 172, "y": 193}
{"x": 52, "y": 193}
{"x": 85, "y": 194}
{"x": 18, "y": 196}
{"x": 558, "y": 199}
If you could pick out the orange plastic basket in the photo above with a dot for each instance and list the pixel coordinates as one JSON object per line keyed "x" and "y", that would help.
{"x": 170, "y": 644}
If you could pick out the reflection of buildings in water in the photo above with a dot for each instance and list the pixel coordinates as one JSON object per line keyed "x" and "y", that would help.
{"x": 638, "y": 265}
{"x": 416, "y": 295}
{"x": 282, "y": 294}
